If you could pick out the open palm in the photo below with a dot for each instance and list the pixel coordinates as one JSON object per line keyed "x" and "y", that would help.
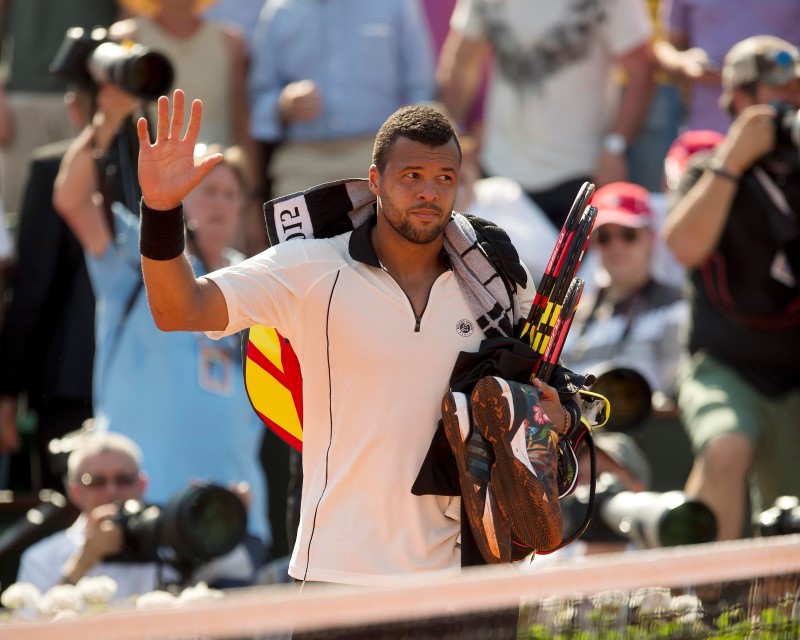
{"x": 167, "y": 170}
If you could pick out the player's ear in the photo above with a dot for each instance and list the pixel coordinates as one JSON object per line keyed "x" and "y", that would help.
{"x": 374, "y": 179}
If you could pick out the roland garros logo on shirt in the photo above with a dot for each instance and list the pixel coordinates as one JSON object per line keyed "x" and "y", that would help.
{"x": 465, "y": 328}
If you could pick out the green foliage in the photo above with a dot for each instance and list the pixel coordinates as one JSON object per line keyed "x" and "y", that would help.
{"x": 639, "y": 620}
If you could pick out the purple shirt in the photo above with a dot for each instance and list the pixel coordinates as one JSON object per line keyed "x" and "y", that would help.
{"x": 715, "y": 26}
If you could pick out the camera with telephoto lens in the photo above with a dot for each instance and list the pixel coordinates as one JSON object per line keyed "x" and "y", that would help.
{"x": 782, "y": 518}
{"x": 89, "y": 58}
{"x": 787, "y": 126}
{"x": 648, "y": 519}
{"x": 198, "y": 524}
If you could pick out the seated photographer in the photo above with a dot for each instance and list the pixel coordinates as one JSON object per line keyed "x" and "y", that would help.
{"x": 103, "y": 472}
{"x": 632, "y": 320}
{"x": 616, "y": 454}
{"x": 623, "y": 462}
{"x": 101, "y": 475}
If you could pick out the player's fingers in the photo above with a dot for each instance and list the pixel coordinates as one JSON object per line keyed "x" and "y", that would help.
{"x": 176, "y": 123}
{"x": 195, "y": 119}
{"x": 143, "y": 133}
{"x": 162, "y": 119}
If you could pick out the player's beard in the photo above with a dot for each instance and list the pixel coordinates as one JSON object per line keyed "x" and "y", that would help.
{"x": 403, "y": 223}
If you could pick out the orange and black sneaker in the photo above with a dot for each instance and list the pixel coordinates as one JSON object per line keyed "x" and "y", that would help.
{"x": 474, "y": 458}
{"x": 524, "y": 474}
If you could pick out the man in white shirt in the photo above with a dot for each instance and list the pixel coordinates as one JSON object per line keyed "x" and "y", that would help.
{"x": 101, "y": 475}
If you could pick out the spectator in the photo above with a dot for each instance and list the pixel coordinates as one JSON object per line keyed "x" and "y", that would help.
{"x": 47, "y": 340}
{"x": 31, "y": 98}
{"x": 662, "y": 124}
{"x": 181, "y": 396}
{"x": 550, "y": 123}
{"x": 103, "y": 472}
{"x": 101, "y": 475}
{"x": 210, "y": 59}
{"x": 325, "y": 76}
{"x": 632, "y": 321}
{"x": 735, "y": 227}
{"x": 698, "y": 34}
{"x": 243, "y": 14}
{"x": 384, "y": 278}
{"x": 502, "y": 201}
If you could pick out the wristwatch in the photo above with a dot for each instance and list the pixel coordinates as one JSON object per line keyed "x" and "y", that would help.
{"x": 615, "y": 144}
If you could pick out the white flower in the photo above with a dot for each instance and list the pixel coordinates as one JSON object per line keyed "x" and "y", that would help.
{"x": 97, "y": 589}
{"x": 651, "y": 600}
{"x": 61, "y": 597}
{"x": 21, "y": 595}
{"x": 689, "y": 608}
{"x": 66, "y": 614}
{"x": 156, "y": 600}
{"x": 198, "y": 592}
{"x": 610, "y": 600}
{"x": 556, "y": 612}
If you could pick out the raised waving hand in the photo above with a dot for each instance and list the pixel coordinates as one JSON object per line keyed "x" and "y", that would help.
{"x": 167, "y": 170}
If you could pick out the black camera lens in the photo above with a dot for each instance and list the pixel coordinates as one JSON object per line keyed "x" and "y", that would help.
{"x": 89, "y": 58}
{"x": 199, "y": 524}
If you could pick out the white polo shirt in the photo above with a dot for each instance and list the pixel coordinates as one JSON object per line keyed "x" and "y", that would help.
{"x": 374, "y": 377}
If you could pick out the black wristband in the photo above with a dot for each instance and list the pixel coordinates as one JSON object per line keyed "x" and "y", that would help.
{"x": 162, "y": 234}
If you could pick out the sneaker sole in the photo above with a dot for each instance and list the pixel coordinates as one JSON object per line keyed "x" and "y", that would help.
{"x": 528, "y": 497}
{"x": 491, "y": 532}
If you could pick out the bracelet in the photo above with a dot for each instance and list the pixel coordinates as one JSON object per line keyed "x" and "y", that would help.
{"x": 162, "y": 234}
{"x": 719, "y": 170}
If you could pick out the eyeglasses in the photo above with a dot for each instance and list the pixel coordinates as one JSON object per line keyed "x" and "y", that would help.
{"x": 100, "y": 482}
{"x": 628, "y": 234}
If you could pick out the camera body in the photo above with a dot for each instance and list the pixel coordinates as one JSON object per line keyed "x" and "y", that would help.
{"x": 648, "y": 519}
{"x": 787, "y": 127}
{"x": 198, "y": 524}
{"x": 782, "y": 518}
{"x": 89, "y": 58}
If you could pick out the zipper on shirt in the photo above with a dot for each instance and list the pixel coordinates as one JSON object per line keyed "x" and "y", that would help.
{"x": 417, "y": 318}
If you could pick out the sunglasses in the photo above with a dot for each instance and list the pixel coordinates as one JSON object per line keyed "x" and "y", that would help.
{"x": 100, "y": 482}
{"x": 605, "y": 236}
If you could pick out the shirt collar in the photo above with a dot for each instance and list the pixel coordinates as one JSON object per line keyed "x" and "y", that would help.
{"x": 361, "y": 249}
{"x": 360, "y": 246}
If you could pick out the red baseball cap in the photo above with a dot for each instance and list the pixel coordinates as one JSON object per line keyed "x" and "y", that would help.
{"x": 623, "y": 203}
{"x": 683, "y": 148}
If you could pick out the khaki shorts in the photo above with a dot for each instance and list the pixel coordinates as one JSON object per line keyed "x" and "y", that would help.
{"x": 715, "y": 400}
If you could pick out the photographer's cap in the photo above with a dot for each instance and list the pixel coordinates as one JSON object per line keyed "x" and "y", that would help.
{"x": 623, "y": 203}
{"x": 622, "y": 449}
{"x": 763, "y": 59}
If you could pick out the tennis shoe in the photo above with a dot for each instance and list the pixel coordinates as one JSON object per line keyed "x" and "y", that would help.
{"x": 474, "y": 458}
{"x": 524, "y": 476}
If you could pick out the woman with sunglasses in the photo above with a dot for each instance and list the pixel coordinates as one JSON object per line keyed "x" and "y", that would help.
{"x": 632, "y": 320}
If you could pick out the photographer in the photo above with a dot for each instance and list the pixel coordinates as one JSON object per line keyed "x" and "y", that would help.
{"x": 101, "y": 474}
{"x": 199, "y": 534}
{"x": 735, "y": 227}
{"x": 194, "y": 387}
